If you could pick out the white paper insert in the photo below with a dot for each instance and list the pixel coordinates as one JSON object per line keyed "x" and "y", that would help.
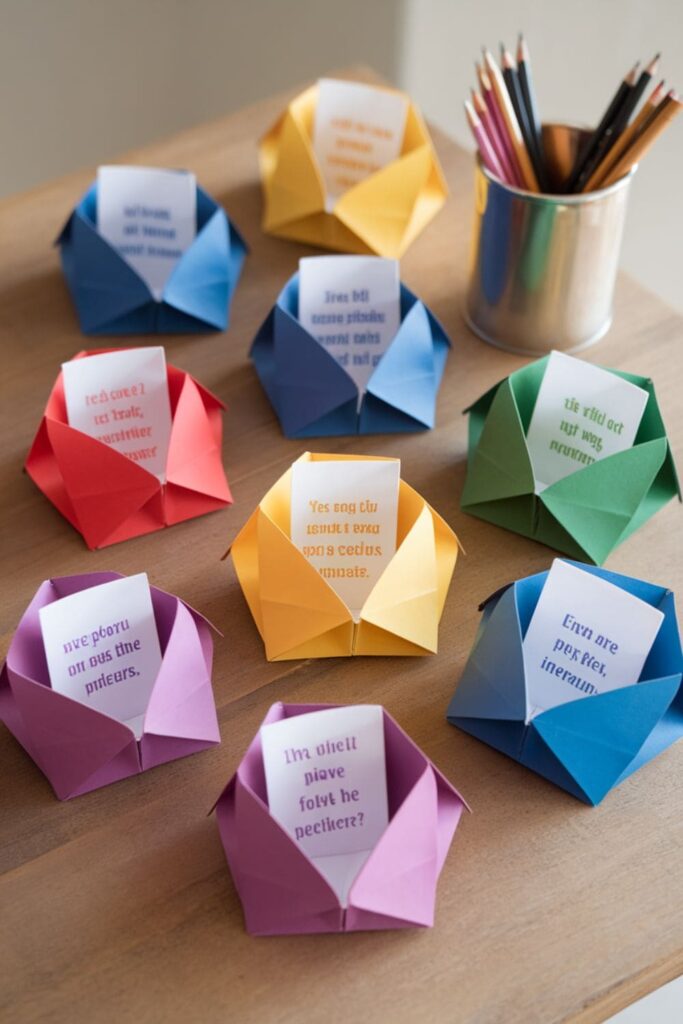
{"x": 351, "y": 305}
{"x": 582, "y": 414}
{"x": 102, "y": 648}
{"x": 327, "y": 786}
{"x": 121, "y": 399}
{"x": 357, "y": 130}
{"x": 586, "y": 636}
{"x": 149, "y": 216}
{"x": 344, "y": 516}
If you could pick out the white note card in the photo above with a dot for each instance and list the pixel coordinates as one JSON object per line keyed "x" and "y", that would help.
{"x": 102, "y": 648}
{"x": 586, "y": 637}
{"x": 149, "y": 216}
{"x": 344, "y": 516}
{"x": 357, "y": 130}
{"x": 327, "y": 786}
{"x": 582, "y": 414}
{"x": 351, "y": 305}
{"x": 121, "y": 399}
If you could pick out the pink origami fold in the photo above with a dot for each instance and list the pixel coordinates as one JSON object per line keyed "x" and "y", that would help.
{"x": 282, "y": 891}
{"x": 80, "y": 749}
{"x": 107, "y": 497}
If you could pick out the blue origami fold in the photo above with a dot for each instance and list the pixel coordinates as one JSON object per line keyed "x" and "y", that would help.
{"x": 589, "y": 745}
{"x": 111, "y": 298}
{"x": 313, "y": 396}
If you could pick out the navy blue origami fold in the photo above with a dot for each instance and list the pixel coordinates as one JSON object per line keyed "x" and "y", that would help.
{"x": 589, "y": 745}
{"x": 111, "y": 298}
{"x": 313, "y": 396}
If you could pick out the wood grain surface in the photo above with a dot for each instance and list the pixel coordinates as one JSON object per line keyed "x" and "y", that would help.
{"x": 118, "y": 906}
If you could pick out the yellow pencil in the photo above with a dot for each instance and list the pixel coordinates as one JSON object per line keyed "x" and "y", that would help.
{"x": 665, "y": 112}
{"x": 511, "y": 123}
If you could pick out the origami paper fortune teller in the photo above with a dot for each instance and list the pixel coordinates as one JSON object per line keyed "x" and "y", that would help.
{"x": 313, "y": 396}
{"x": 281, "y": 890}
{"x": 586, "y": 514}
{"x": 383, "y": 214}
{"x": 80, "y": 749}
{"x": 111, "y": 297}
{"x": 107, "y": 497}
{"x": 299, "y": 615}
{"x": 589, "y": 745}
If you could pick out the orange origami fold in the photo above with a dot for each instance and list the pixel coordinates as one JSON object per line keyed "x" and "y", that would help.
{"x": 299, "y": 615}
{"x": 382, "y": 214}
{"x": 107, "y": 497}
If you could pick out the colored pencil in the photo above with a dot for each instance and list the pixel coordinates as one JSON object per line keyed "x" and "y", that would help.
{"x": 626, "y": 138}
{"x": 484, "y": 115}
{"x": 621, "y": 119}
{"x": 511, "y": 79}
{"x": 511, "y": 123}
{"x": 528, "y": 93}
{"x": 497, "y": 118}
{"x": 669, "y": 108}
{"x": 504, "y": 120}
{"x": 589, "y": 150}
{"x": 486, "y": 151}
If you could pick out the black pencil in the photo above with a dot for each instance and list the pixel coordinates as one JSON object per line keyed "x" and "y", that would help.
{"x": 528, "y": 95}
{"x": 622, "y": 118}
{"x": 513, "y": 87}
{"x": 587, "y": 152}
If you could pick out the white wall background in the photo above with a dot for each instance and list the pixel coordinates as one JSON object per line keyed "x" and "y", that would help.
{"x": 83, "y": 80}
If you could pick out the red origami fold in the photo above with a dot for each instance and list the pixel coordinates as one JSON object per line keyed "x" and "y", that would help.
{"x": 107, "y": 497}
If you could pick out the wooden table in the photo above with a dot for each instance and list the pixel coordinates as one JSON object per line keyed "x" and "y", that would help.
{"x": 118, "y": 906}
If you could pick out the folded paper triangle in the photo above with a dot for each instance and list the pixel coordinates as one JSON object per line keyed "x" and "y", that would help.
{"x": 382, "y": 214}
{"x": 299, "y": 615}
{"x": 111, "y": 298}
{"x": 281, "y": 890}
{"x": 586, "y": 514}
{"x": 313, "y": 396}
{"x": 107, "y": 497}
{"x": 587, "y": 746}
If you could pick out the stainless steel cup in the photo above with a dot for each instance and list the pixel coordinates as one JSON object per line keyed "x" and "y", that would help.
{"x": 543, "y": 267}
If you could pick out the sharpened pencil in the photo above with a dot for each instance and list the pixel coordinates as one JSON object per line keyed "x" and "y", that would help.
{"x": 484, "y": 115}
{"x": 497, "y": 118}
{"x": 486, "y": 151}
{"x": 511, "y": 78}
{"x": 511, "y": 123}
{"x": 621, "y": 119}
{"x": 528, "y": 93}
{"x": 665, "y": 112}
{"x": 589, "y": 150}
{"x": 626, "y": 138}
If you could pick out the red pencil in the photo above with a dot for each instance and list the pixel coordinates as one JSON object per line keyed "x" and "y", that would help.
{"x": 497, "y": 118}
{"x": 486, "y": 151}
{"x": 489, "y": 125}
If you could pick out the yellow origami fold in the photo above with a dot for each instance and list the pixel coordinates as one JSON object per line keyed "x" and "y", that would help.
{"x": 382, "y": 214}
{"x": 299, "y": 615}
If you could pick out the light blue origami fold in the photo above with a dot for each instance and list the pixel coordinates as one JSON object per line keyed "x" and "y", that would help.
{"x": 589, "y": 745}
{"x": 313, "y": 396}
{"x": 111, "y": 298}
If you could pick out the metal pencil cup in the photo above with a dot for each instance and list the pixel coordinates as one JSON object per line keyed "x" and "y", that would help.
{"x": 543, "y": 267}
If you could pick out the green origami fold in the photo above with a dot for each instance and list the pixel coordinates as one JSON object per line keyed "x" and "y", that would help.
{"x": 586, "y": 514}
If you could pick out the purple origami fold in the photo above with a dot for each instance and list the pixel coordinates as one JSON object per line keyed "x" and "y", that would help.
{"x": 80, "y": 749}
{"x": 282, "y": 891}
